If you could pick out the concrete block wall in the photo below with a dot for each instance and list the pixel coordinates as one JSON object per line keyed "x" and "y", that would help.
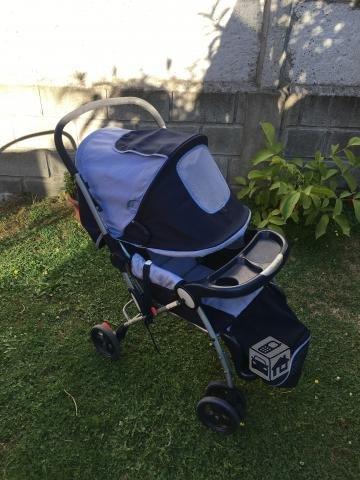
{"x": 29, "y": 163}
{"x": 225, "y": 66}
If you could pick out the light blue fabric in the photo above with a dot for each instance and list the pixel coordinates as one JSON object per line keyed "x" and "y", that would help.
{"x": 117, "y": 181}
{"x": 174, "y": 269}
{"x": 203, "y": 179}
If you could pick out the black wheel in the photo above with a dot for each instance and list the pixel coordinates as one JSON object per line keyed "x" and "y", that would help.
{"x": 232, "y": 395}
{"x": 105, "y": 341}
{"x": 218, "y": 414}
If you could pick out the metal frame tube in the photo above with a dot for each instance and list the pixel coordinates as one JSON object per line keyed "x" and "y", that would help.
{"x": 218, "y": 348}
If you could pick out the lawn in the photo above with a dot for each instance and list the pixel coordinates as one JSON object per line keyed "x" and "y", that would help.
{"x": 135, "y": 419}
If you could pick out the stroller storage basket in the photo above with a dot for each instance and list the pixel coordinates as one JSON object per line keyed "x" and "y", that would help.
{"x": 181, "y": 240}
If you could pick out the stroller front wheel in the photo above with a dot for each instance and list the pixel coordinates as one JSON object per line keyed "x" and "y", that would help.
{"x": 218, "y": 414}
{"x": 105, "y": 341}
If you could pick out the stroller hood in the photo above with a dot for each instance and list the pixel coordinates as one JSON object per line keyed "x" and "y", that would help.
{"x": 160, "y": 189}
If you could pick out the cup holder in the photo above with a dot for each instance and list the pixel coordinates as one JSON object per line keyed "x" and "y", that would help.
{"x": 226, "y": 282}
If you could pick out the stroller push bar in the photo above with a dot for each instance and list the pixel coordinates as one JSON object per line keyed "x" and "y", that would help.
{"x": 109, "y": 102}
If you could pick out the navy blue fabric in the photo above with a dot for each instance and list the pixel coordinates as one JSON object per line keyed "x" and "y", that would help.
{"x": 160, "y": 141}
{"x": 270, "y": 315}
{"x": 176, "y": 222}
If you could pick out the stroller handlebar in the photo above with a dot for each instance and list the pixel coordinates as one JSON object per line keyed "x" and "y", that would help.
{"x": 254, "y": 266}
{"x": 108, "y": 102}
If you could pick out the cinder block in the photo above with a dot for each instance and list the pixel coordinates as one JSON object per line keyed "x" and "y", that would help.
{"x": 224, "y": 140}
{"x": 184, "y": 127}
{"x": 315, "y": 111}
{"x": 222, "y": 162}
{"x": 241, "y": 108}
{"x": 160, "y": 99}
{"x": 58, "y": 101}
{"x": 292, "y": 108}
{"x": 37, "y": 133}
{"x": 345, "y": 112}
{"x": 88, "y": 123}
{"x": 30, "y": 163}
{"x": 20, "y": 100}
{"x": 203, "y": 107}
{"x": 237, "y": 168}
{"x": 10, "y": 185}
{"x": 43, "y": 187}
{"x": 301, "y": 142}
{"x": 55, "y": 164}
{"x": 261, "y": 107}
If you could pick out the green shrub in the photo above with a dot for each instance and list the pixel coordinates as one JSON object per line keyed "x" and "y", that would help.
{"x": 69, "y": 185}
{"x": 311, "y": 193}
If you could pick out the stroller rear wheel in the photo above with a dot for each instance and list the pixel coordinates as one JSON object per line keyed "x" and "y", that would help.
{"x": 232, "y": 395}
{"x": 105, "y": 341}
{"x": 218, "y": 414}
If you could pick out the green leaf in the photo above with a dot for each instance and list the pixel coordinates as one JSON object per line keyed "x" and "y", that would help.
{"x": 276, "y": 148}
{"x": 345, "y": 194}
{"x": 284, "y": 188}
{"x": 329, "y": 173}
{"x": 321, "y": 226}
{"x": 353, "y": 141}
{"x": 269, "y": 132}
{"x": 316, "y": 200}
{"x": 339, "y": 163}
{"x": 311, "y": 217}
{"x": 263, "y": 223}
{"x": 289, "y": 204}
{"x": 307, "y": 190}
{"x": 356, "y": 204}
{"x": 318, "y": 157}
{"x": 252, "y": 191}
{"x": 325, "y": 203}
{"x": 276, "y": 220}
{"x": 258, "y": 174}
{"x": 323, "y": 191}
{"x": 350, "y": 156}
{"x": 275, "y": 185}
{"x": 257, "y": 217}
{"x": 338, "y": 207}
{"x": 262, "y": 156}
{"x": 243, "y": 193}
{"x": 343, "y": 223}
{"x": 306, "y": 201}
{"x": 241, "y": 180}
{"x": 276, "y": 160}
{"x": 350, "y": 180}
{"x": 298, "y": 162}
{"x": 334, "y": 149}
{"x": 357, "y": 195}
{"x": 276, "y": 228}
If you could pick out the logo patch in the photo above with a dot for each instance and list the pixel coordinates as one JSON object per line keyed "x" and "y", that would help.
{"x": 269, "y": 358}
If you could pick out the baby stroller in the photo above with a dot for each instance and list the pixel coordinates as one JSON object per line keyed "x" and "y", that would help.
{"x": 180, "y": 238}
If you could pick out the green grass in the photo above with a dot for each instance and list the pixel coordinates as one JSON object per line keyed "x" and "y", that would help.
{"x": 136, "y": 418}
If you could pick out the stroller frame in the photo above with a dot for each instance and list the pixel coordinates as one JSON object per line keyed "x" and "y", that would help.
{"x": 229, "y": 395}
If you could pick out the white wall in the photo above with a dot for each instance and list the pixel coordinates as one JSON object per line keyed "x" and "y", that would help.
{"x": 52, "y": 42}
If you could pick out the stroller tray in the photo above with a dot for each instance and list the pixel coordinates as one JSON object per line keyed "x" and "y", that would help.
{"x": 260, "y": 260}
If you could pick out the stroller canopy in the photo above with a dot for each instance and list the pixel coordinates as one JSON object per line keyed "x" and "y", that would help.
{"x": 160, "y": 189}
